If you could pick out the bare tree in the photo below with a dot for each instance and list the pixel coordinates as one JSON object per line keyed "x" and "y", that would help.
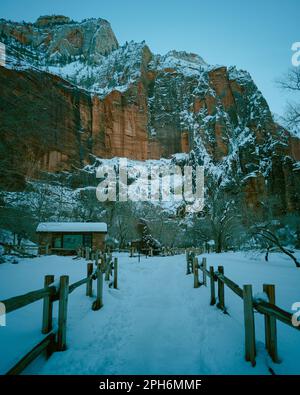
{"x": 223, "y": 217}
{"x": 273, "y": 239}
{"x": 291, "y": 82}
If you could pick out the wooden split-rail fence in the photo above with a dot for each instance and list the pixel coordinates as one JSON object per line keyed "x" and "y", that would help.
{"x": 271, "y": 312}
{"x": 56, "y": 340}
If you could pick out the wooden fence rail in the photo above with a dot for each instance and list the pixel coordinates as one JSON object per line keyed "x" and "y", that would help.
{"x": 47, "y": 344}
{"x": 18, "y": 302}
{"x": 57, "y": 341}
{"x": 269, "y": 309}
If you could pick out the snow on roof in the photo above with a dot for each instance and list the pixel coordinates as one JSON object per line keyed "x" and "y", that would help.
{"x": 72, "y": 227}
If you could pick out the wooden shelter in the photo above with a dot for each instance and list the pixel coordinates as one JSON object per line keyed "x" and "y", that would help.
{"x": 65, "y": 238}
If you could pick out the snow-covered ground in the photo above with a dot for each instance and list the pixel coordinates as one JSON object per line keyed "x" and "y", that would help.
{"x": 156, "y": 323}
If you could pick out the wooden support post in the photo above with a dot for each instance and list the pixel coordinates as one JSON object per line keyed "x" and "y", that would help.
{"x": 270, "y": 325}
{"x": 98, "y": 303}
{"x": 47, "y": 306}
{"x": 96, "y": 258}
{"x": 196, "y": 276}
{"x": 204, "y": 271}
{"x": 250, "y": 348}
{"x": 111, "y": 268}
{"x": 187, "y": 255}
{"x": 62, "y": 313}
{"x": 89, "y": 283}
{"x": 221, "y": 293}
{"x": 87, "y": 253}
{"x": 47, "y": 249}
{"x": 212, "y": 286}
{"x": 107, "y": 272}
{"x": 116, "y": 273}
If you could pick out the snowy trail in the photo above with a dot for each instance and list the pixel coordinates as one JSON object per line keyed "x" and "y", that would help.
{"x": 161, "y": 336}
{"x": 157, "y": 323}
{"x": 147, "y": 327}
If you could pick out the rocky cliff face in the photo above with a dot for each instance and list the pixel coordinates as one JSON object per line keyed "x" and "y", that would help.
{"x": 70, "y": 93}
{"x": 58, "y": 39}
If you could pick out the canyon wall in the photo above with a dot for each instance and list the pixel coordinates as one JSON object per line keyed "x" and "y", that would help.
{"x": 70, "y": 93}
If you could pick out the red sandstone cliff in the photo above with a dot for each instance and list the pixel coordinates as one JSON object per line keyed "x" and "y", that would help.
{"x": 127, "y": 102}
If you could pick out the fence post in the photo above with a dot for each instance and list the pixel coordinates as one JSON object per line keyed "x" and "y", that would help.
{"x": 204, "y": 271}
{"x": 98, "y": 303}
{"x": 270, "y": 325}
{"x": 104, "y": 261}
{"x": 89, "y": 283}
{"x": 111, "y": 267}
{"x": 187, "y": 255}
{"x": 47, "y": 306}
{"x": 62, "y": 313}
{"x": 212, "y": 286}
{"x": 221, "y": 294}
{"x": 96, "y": 257}
{"x": 107, "y": 271}
{"x": 196, "y": 277}
{"x": 116, "y": 273}
{"x": 250, "y": 349}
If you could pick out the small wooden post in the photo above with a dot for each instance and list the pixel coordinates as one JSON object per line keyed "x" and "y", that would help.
{"x": 250, "y": 348}
{"x": 221, "y": 294}
{"x": 96, "y": 258}
{"x": 47, "y": 307}
{"x": 111, "y": 268}
{"x": 270, "y": 325}
{"x": 47, "y": 249}
{"x": 62, "y": 313}
{"x": 196, "y": 277}
{"x": 212, "y": 286}
{"x": 89, "y": 283}
{"x": 116, "y": 273}
{"x": 107, "y": 272}
{"x": 204, "y": 271}
{"x": 102, "y": 263}
{"x": 98, "y": 303}
{"x": 187, "y": 255}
